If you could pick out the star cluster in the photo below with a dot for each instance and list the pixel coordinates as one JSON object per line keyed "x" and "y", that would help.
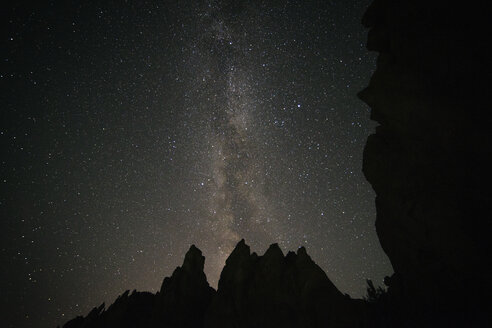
{"x": 131, "y": 131}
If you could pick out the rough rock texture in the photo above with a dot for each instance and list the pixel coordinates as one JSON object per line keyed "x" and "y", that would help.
{"x": 277, "y": 291}
{"x": 430, "y": 159}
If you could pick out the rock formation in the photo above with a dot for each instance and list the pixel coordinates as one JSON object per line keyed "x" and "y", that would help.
{"x": 429, "y": 161}
{"x": 277, "y": 291}
{"x": 181, "y": 302}
{"x": 185, "y": 296}
{"x": 272, "y": 290}
{"x": 129, "y": 310}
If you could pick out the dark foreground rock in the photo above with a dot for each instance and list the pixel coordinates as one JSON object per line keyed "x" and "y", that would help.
{"x": 429, "y": 161}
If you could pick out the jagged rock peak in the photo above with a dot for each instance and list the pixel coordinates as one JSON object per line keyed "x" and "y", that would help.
{"x": 241, "y": 251}
{"x": 191, "y": 271}
{"x": 274, "y": 290}
{"x": 95, "y": 312}
{"x": 241, "y": 247}
{"x": 302, "y": 251}
{"x": 185, "y": 296}
{"x": 303, "y": 256}
{"x": 274, "y": 251}
{"x": 194, "y": 261}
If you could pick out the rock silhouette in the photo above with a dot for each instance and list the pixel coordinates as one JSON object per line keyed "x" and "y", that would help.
{"x": 272, "y": 290}
{"x": 185, "y": 296}
{"x": 429, "y": 163}
{"x": 430, "y": 158}
{"x": 277, "y": 291}
{"x": 181, "y": 301}
{"x": 129, "y": 310}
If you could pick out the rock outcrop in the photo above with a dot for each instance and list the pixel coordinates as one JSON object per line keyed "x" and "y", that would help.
{"x": 272, "y": 290}
{"x": 129, "y": 310}
{"x": 181, "y": 302}
{"x": 429, "y": 161}
{"x": 186, "y": 295}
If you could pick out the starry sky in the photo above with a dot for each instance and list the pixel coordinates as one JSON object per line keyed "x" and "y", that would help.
{"x": 130, "y": 131}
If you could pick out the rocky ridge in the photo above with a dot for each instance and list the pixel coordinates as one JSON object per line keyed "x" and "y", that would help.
{"x": 272, "y": 290}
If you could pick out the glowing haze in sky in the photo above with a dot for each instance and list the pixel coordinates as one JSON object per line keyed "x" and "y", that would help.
{"x": 132, "y": 131}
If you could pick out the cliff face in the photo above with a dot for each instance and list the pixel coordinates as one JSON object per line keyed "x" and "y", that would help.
{"x": 429, "y": 160}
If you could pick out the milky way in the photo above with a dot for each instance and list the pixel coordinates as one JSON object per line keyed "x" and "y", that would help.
{"x": 229, "y": 110}
{"x": 134, "y": 131}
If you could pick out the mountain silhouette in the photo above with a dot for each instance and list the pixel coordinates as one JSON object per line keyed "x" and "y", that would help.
{"x": 181, "y": 301}
{"x": 272, "y": 290}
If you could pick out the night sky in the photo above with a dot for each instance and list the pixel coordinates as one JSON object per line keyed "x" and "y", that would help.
{"x": 131, "y": 131}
